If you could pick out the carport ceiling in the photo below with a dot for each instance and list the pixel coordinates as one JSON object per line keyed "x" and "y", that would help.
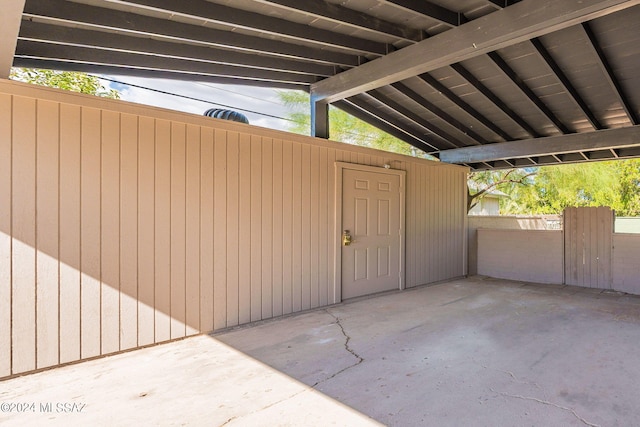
{"x": 486, "y": 83}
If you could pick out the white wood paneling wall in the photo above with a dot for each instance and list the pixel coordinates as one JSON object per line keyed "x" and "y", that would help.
{"x": 123, "y": 226}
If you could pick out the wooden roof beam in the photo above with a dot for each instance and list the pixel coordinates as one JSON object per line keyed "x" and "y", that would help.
{"x": 149, "y": 73}
{"x": 369, "y": 117}
{"x": 74, "y": 54}
{"x": 609, "y": 75}
{"x": 414, "y": 117}
{"x": 345, "y": 16}
{"x": 99, "y": 18}
{"x": 431, "y": 10}
{"x": 448, "y": 93}
{"x": 480, "y": 87}
{"x": 566, "y": 83}
{"x": 55, "y": 34}
{"x": 528, "y": 93}
{"x": 226, "y": 15}
{"x": 10, "y": 19}
{"x": 411, "y": 94}
{"x": 506, "y": 27}
{"x": 549, "y": 146}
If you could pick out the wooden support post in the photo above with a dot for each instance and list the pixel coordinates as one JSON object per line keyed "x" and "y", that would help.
{"x": 319, "y": 119}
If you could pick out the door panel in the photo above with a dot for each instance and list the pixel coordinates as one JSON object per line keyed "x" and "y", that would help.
{"x": 371, "y": 212}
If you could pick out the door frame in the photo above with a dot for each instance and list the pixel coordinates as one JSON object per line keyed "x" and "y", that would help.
{"x": 339, "y": 167}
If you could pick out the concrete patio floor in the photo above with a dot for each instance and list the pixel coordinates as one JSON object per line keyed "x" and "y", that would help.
{"x": 473, "y": 352}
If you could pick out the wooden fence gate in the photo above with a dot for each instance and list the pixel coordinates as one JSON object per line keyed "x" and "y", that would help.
{"x": 588, "y": 245}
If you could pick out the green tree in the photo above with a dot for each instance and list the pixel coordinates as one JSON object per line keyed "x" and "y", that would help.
{"x": 615, "y": 184}
{"x": 67, "y": 80}
{"x": 629, "y": 187}
{"x": 481, "y": 184}
{"x": 343, "y": 127}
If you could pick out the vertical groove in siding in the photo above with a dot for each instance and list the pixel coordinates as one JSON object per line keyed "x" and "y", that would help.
{"x": 426, "y": 236}
{"x": 464, "y": 221}
{"x": 421, "y": 219}
{"x": 314, "y": 195}
{"x": 440, "y": 227}
{"x": 432, "y": 203}
{"x": 454, "y": 218}
{"x": 47, "y": 238}
{"x": 305, "y": 235}
{"x": 323, "y": 226}
{"x": 410, "y": 257}
{"x": 207, "y": 210}
{"x": 146, "y": 217}
{"x": 448, "y": 217}
{"x": 458, "y": 189}
{"x": 297, "y": 229}
{"x": 162, "y": 293}
{"x": 444, "y": 224}
{"x": 447, "y": 225}
{"x": 220, "y": 230}
{"x": 24, "y": 235}
{"x": 597, "y": 240}
{"x": 252, "y": 223}
{"x": 90, "y": 223}
{"x": 411, "y": 221}
{"x": 266, "y": 291}
{"x": 249, "y": 181}
{"x": 427, "y": 199}
{"x": 69, "y": 204}
{"x": 6, "y": 141}
{"x": 331, "y": 232}
{"x": 233, "y": 226}
{"x": 591, "y": 267}
{"x": 277, "y": 278}
{"x": 425, "y": 225}
{"x": 607, "y": 251}
{"x": 287, "y": 232}
{"x": 446, "y": 185}
{"x": 129, "y": 232}
{"x": 316, "y": 192}
{"x": 408, "y": 206}
{"x": 193, "y": 232}
{"x": 178, "y": 230}
{"x": 580, "y": 246}
{"x": 110, "y": 233}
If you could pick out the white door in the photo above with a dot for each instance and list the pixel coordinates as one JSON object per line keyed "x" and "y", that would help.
{"x": 371, "y": 217}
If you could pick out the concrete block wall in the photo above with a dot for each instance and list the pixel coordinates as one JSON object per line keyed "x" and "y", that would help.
{"x": 524, "y": 255}
{"x": 539, "y": 256}
{"x": 626, "y": 268}
{"x": 502, "y": 223}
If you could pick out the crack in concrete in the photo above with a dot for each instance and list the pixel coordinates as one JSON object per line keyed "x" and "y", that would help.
{"x": 546, "y": 402}
{"x": 264, "y": 407}
{"x": 535, "y": 399}
{"x": 228, "y": 421}
{"x": 517, "y": 380}
{"x": 346, "y": 347}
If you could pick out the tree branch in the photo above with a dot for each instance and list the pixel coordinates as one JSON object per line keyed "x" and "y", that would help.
{"x": 474, "y": 199}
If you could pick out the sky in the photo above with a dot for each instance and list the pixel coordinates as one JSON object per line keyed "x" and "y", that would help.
{"x": 233, "y": 97}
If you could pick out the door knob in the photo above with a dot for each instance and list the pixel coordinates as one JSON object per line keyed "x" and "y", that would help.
{"x": 346, "y": 238}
